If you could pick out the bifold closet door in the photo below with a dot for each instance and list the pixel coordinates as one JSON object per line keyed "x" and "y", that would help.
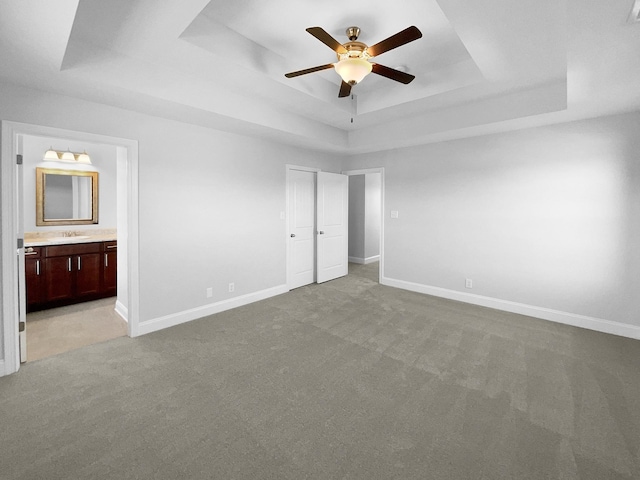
{"x": 332, "y": 203}
{"x": 302, "y": 228}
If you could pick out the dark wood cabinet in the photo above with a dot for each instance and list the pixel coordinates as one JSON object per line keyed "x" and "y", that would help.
{"x": 58, "y": 280}
{"x": 110, "y": 272}
{"x": 34, "y": 275}
{"x": 59, "y": 275}
{"x": 88, "y": 272}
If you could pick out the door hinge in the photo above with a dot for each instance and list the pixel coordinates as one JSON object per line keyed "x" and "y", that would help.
{"x": 19, "y": 159}
{"x": 21, "y": 326}
{"x": 21, "y": 243}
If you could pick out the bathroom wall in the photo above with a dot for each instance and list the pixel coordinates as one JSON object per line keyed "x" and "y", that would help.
{"x": 103, "y": 160}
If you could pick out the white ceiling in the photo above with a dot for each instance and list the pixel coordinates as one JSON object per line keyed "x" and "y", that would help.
{"x": 481, "y": 66}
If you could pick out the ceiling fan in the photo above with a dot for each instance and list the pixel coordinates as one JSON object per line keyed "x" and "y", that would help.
{"x": 353, "y": 57}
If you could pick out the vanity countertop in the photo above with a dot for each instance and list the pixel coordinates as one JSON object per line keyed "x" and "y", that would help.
{"x": 44, "y": 242}
{"x": 64, "y": 238}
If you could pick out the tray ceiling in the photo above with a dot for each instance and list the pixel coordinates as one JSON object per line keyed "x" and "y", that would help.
{"x": 480, "y": 66}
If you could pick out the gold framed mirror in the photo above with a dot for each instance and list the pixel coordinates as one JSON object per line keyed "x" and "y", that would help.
{"x": 66, "y": 197}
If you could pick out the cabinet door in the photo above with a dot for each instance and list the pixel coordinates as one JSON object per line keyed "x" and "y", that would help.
{"x": 87, "y": 274}
{"x": 110, "y": 277}
{"x": 58, "y": 278}
{"x": 33, "y": 281}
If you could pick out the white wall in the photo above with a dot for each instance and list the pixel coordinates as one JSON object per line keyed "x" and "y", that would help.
{"x": 364, "y": 217}
{"x": 209, "y": 201}
{"x": 546, "y": 217}
{"x": 356, "y": 217}
{"x": 103, "y": 159}
{"x": 122, "y": 304}
{"x": 372, "y": 222}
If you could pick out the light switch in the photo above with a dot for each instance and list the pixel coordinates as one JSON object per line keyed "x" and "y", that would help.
{"x": 394, "y": 214}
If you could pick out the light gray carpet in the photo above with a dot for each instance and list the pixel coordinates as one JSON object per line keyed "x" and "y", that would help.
{"x": 345, "y": 380}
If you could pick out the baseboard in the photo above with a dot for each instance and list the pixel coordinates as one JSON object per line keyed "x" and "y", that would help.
{"x": 582, "y": 321}
{"x": 3, "y": 368}
{"x": 167, "y": 321}
{"x": 364, "y": 261}
{"x": 122, "y": 311}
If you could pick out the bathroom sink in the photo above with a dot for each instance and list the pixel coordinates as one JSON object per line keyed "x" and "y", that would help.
{"x": 66, "y": 239}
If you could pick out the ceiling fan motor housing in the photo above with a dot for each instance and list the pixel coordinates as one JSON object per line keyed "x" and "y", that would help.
{"x": 353, "y": 33}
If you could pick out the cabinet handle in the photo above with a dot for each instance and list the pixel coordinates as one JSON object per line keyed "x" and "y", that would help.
{"x": 106, "y": 260}
{"x": 78, "y": 263}
{"x": 69, "y": 263}
{"x": 30, "y": 253}
{"x": 112, "y": 246}
{"x": 37, "y": 267}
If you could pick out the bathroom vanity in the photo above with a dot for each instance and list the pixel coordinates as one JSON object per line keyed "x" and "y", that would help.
{"x": 59, "y": 273}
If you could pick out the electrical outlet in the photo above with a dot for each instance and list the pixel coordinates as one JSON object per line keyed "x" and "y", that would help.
{"x": 394, "y": 214}
{"x": 232, "y": 287}
{"x": 209, "y": 292}
{"x": 468, "y": 283}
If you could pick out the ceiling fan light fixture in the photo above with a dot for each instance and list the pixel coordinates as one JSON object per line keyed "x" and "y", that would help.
{"x": 353, "y": 70}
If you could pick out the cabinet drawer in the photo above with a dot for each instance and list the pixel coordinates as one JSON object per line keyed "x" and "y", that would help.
{"x": 75, "y": 249}
{"x": 32, "y": 252}
{"x": 108, "y": 246}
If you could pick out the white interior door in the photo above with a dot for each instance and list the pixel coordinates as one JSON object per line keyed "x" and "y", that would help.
{"x": 302, "y": 228}
{"x": 333, "y": 226}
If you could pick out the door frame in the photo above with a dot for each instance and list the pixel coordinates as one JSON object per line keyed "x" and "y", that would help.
{"x": 9, "y": 261}
{"x": 379, "y": 170}
{"x": 288, "y": 168}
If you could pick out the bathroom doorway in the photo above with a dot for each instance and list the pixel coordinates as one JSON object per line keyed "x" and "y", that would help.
{"x": 51, "y": 326}
{"x": 125, "y": 157}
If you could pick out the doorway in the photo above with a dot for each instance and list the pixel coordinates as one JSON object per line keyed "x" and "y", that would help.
{"x": 13, "y": 311}
{"x": 366, "y": 221}
{"x": 51, "y": 326}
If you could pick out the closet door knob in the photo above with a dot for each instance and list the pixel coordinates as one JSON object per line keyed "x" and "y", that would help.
{"x": 293, "y": 235}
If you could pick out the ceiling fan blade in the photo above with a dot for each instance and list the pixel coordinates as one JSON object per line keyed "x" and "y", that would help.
{"x": 392, "y": 73}
{"x": 327, "y": 39}
{"x": 345, "y": 90}
{"x": 308, "y": 70}
{"x": 405, "y": 36}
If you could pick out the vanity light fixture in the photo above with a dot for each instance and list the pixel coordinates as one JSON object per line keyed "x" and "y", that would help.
{"x": 83, "y": 158}
{"x": 51, "y": 154}
{"x": 68, "y": 156}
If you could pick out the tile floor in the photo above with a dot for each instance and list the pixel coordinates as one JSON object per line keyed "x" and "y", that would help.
{"x": 57, "y": 330}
